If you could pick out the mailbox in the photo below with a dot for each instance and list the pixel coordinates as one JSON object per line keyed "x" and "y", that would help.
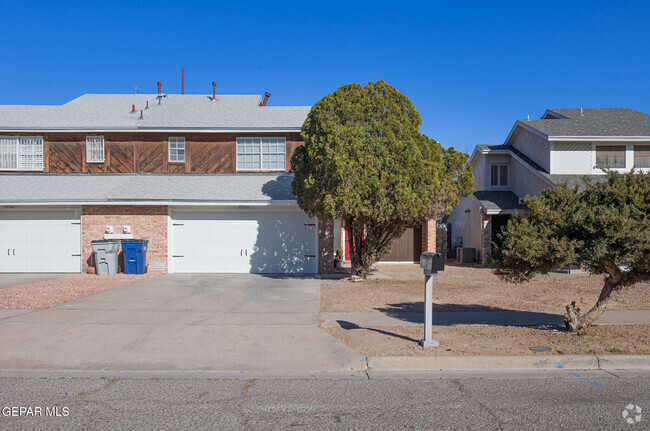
{"x": 432, "y": 262}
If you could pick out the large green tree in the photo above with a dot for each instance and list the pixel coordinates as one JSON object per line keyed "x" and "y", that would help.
{"x": 603, "y": 227}
{"x": 365, "y": 161}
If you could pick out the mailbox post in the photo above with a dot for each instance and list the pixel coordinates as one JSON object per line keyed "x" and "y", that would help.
{"x": 431, "y": 263}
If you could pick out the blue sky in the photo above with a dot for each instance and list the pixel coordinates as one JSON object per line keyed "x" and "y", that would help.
{"x": 470, "y": 68}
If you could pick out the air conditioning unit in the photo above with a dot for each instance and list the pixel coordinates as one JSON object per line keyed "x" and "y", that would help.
{"x": 465, "y": 255}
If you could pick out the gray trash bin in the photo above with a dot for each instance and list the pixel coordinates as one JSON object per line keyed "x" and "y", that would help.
{"x": 105, "y": 254}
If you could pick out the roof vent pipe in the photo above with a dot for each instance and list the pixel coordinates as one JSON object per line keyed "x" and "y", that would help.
{"x": 147, "y": 107}
{"x": 581, "y": 114}
{"x": 266, "y": 97}
{"x": 132, "y": 108}
{"x": 141, "y": 114}
{"x": 159, "y": 92}
{"x": 214, "y": 90}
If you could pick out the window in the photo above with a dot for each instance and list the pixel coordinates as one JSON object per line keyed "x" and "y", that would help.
{"x": 261, "y": 154}
{"x": 21, "y": 153}
{"x": 610, "y": 156}
{"x": 94, "y": 149}
{"x": 642, "y": 156}
{"x": 499, "y": 175}
{"x": 177, "y": 150}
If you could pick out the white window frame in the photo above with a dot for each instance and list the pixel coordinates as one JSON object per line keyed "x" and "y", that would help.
{"x": 259, "y": 141}
{"x": 176, "y": 142}
{"x": 499, "y": 166}
{"x": 25, "y": 152}
{"x": 95, "y": 152}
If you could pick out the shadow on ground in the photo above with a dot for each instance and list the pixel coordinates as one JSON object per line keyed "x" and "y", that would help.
{"x": 466, "y": 314}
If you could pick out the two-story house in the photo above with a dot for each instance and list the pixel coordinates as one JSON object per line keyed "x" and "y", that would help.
{"x": 204, "y": 178}
{"x": 563, "y": 146}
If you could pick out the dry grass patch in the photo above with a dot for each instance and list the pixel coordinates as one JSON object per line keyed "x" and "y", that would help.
{"x": 470, "y": 288}
{"x": 495, "y": 340}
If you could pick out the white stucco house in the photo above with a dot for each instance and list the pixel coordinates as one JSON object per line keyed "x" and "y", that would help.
{"x": 563, "y": 146}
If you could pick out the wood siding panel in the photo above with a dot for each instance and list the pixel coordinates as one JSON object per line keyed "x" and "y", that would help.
{"x": 121, "y": 157}
{"x": 150, "y": 156}
{"x": 406, "y": 248}
{"x": 66, "y": 157}
{"x": 212, "y": 157}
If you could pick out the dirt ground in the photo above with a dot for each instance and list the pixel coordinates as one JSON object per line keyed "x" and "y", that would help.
{"x": 495, "y": 340}
{"x": 48, "y": 293}
{"x": 472, "y": 288}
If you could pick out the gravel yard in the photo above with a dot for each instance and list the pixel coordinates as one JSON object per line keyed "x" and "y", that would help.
{"x": 495, "y": 340}
{"x": 47, "y": 293}
{"x": 470, "y": 288}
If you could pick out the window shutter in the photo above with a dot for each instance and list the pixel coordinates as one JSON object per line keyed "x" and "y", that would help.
{"x": 9, "y": 152}
{"x": 30, "y": 153}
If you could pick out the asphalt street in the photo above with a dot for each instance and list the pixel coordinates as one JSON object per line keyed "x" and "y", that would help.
{"x": 592, "y": 400}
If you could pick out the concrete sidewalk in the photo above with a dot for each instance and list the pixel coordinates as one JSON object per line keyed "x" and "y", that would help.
{"x": 502, "y": 318}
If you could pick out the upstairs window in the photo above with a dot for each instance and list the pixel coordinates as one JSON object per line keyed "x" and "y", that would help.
{"x": 94, "y": 149}
{"x": 261, "y": 154}
{"x": 21, "y": 153}
{"x": 642, "y": 156}
{"x": 610, "y": 156}
{"x": 499, "y": 175}
{"x": 177, "y": 150}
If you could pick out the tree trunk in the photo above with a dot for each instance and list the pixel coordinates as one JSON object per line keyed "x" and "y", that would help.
{"x": 575, "y": 322}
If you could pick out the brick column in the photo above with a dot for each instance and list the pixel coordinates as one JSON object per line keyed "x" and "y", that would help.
{"x": 325, "y": 245}
{"x": 486, "y": 238}
{"x": 429, "y": 228}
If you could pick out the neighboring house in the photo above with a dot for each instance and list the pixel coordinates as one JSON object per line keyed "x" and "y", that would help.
{"x": 203, "y": 178}
{"x": 563, "y": 146}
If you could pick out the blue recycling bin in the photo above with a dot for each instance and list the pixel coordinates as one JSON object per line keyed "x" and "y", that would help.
{"x": 135, "y": 256}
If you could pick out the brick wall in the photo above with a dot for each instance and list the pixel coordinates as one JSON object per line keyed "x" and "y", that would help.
{"x": 147, "y": 222}
{"x": 429, "y": 228}
{"x": 325, "y": 245}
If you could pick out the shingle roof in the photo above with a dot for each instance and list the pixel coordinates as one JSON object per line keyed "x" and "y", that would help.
{"x": 176, "y": 111}
{"x": 494, "y": 201}
{"x": 71, "y": 188}
{"x": 592, "y": 122}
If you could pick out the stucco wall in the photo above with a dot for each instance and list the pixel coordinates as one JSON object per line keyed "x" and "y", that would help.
{"x": 466, "y": 225}
{"x": 571, "y": 158}
{"x": 524, "y": 181}
{"x": 533, "y": 146}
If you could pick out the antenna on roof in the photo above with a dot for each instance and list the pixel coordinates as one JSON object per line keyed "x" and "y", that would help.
{"x": 529, "y": 116}
{"x": 136, "y": 89}
{"x": 581, "y": 114}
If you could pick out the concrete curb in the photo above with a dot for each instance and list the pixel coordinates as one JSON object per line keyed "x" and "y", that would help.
{"x": 532, "y": 362}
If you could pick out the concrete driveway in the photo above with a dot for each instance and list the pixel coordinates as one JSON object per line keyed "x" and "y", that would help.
{"x": 181, "y": 322}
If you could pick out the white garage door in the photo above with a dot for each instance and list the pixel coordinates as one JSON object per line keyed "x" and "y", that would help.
{"x": 272, "y": 241}
{"x": 40, "y": 241}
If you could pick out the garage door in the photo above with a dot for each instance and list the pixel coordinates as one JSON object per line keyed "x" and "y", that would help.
{"x": 40, "y": 241}
{"x": 274, "y": 242}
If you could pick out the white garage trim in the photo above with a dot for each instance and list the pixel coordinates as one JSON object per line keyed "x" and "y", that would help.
{"x": 242, "y": 240}
{"x": 40, "y": 239}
